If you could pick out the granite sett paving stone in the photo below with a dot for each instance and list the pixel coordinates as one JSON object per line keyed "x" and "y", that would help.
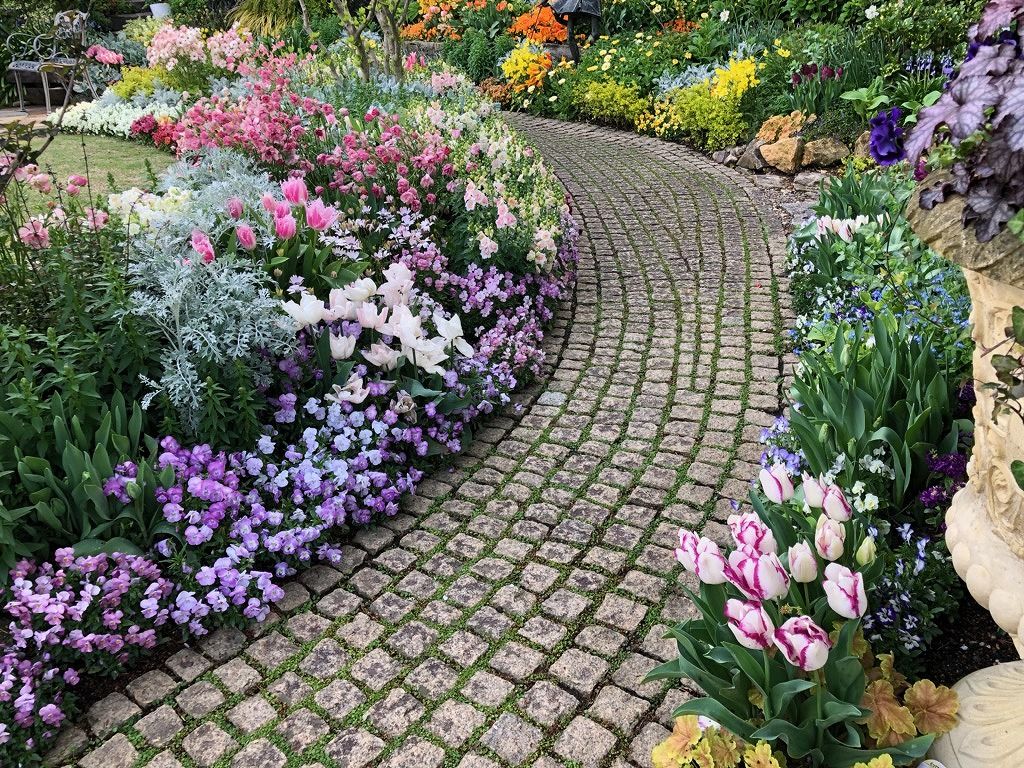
{"x": 509, "y": 615}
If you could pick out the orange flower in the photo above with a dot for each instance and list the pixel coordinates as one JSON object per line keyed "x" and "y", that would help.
{"x": 539, "y": 25}
{"x": 680, "y": 25}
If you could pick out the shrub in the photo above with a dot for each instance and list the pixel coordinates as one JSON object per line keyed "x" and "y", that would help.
{"x": 694, "y": 115}
{"x": 910, "y": 27}
{"x": 638, "y": 60}
{"x": 610, "y": 102}
{"x": 707, "y": 114}
{"x": 139, "y": 80}
{"x": 621, "y": 16}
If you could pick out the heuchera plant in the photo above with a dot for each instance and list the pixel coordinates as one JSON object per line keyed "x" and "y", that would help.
{"x": 981, "y": 115}
{"x": 778, "y": 648}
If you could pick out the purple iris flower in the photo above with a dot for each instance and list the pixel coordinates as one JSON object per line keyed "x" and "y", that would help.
{"x": 887, "y": 136}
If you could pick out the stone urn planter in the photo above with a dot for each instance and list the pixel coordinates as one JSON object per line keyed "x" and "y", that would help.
{"x": 985, "y": 524}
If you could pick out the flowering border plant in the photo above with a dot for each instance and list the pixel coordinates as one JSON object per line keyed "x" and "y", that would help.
{"x": 803, "y": 564}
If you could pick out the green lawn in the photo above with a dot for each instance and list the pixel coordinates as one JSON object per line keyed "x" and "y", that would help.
{"x": 124, "y": 160}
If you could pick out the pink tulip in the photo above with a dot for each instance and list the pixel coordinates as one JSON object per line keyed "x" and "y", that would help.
{"x": 776, "y": 484}
{"x": 35, "y": 235}
{"x": 835, "y": 504}
{"x": 829, "y": 538}
{"x": 246, "y": 237}
{"x": 803, "y": 643}
{"x": 749, "y": 532}
{"x": 234, "y": 208}
{"x": 845, "y": 591}
{"x": 282, "y": 208}
{"x": 759, "y": 577}
{"x": 814, "y": 491}
{"x": 294, "y": 190}
{"x": 201, "y": 244}
{"x": 269, "y": 203}
{"x": 750, "y": 623}
{"x": 319, "y": 216}
{"x": 803, "y": 566}
{"x": 285, "y": 227}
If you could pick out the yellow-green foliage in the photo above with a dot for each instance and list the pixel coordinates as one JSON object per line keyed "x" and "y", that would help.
{"x": 696, "y": 116}
{"x": 265, "y": 17}
{"x": 610, "y": 102}
{"x": 139, "y": 80}
{"x": 143, "y": 30}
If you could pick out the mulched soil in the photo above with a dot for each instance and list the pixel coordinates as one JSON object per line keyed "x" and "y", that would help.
{"x": 969, "y": 641}
{"x": 93, "y": 688}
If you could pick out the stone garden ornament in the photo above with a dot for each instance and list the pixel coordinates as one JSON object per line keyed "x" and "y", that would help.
{"x": 570, "y": 13}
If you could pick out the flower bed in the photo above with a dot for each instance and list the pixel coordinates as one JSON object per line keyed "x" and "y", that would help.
{"x": 838, "y": 581}
{"x": 712, "y": 75}
{"x": 295, "y": 325}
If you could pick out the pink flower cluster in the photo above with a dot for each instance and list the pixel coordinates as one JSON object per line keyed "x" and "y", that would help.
{"x": 270, "y": 122}
{"x": 171, "y": 45}
{"x": 104, "y": 56}
{"x": 86, "y": 611}
{"x": 228, "y": 50}
{"x": 386, "y": 160}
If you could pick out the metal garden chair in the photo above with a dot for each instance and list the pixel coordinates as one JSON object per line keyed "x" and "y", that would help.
{"x": 55, "y": 54}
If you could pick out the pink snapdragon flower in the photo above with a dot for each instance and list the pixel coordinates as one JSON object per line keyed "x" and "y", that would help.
{"x": 34, "y": 234}
{"x": 95, "y": 219}
{"x": 487, "y": 246}
{"x": 104, "y": 56}
{"x": 505, "y": 217}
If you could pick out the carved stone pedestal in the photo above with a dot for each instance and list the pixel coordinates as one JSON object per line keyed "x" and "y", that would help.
{"x": 985, "y": 524}
{"x": 990, "y": 731}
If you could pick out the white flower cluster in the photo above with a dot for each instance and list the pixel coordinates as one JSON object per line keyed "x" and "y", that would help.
{"x": 113, "y": 119}
{"x": 876, "y": 464}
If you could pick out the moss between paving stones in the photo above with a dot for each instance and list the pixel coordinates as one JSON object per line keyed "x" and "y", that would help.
{"x": 720, "y": 236}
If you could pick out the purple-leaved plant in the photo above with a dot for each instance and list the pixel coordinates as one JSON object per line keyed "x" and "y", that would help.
{"x": 984, "y": 100}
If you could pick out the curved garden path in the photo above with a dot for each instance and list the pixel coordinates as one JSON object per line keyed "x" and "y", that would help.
{"x": 509, "y": 616}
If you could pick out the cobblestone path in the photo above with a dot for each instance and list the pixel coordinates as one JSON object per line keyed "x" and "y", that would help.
{"x": 508, "y": 617}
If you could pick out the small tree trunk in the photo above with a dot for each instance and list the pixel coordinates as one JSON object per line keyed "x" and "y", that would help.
{"x": 305, "y": 17}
